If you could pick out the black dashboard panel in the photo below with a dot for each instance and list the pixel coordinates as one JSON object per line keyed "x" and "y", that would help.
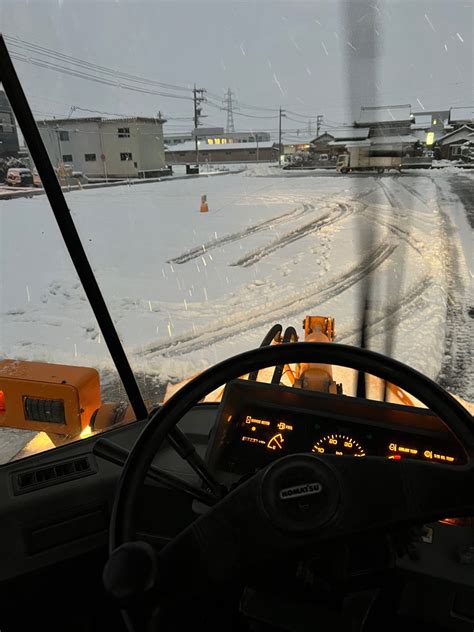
{"x": 259, "y": 422}
{"x": 50, "y": 525}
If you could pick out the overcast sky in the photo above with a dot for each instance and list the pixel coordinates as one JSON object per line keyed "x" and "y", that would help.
{"x": 297, "y": 54}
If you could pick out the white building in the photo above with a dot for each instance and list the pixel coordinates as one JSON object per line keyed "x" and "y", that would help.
{"x": 106, "y": 148}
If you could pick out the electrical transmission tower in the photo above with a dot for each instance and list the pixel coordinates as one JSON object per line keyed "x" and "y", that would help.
{"x": 229, "y": 128}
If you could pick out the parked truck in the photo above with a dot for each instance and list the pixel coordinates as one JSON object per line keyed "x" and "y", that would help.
{"x": 359, "y": 159}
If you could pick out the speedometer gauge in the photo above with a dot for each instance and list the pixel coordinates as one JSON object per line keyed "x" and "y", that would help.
{"x": 338, "y": 444}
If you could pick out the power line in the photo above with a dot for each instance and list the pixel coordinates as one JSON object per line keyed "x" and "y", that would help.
{"x": 55, "y": 61}
{"x": 75, "y": 61}
{"x": 89, "y": 77}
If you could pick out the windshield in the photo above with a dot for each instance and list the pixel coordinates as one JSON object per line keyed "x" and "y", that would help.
{"x": 228, "y": 166}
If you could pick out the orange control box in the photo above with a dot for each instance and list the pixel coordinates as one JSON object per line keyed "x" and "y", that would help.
{"x": 52, "y": 398}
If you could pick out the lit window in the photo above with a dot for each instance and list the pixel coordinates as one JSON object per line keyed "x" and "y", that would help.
{"x": 435, "y": 121}
{"x": 210, "y": 141}
{"x": 217, "y": 141}
{"x": 430, "y": 138}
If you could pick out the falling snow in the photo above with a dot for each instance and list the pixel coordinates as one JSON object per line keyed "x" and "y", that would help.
{"x": 430, "y": 23}
{"x": 275, "y": 79}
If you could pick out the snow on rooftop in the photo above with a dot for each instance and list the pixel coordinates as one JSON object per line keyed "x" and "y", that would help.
{"x": 461, "y": 114}
{"x": 345, "y": 133}
{"x": 465, "y": 130}
{"x": 97, "y": 119}
{"x": 191, "y": 146}
{"x": 377, "y": 140}
{"x": 423, "y": 119}
{"x": 350, "y": 143}
{"x": 393, "y": 140}
{"x": 384, "y": 114}
{"x": 349, "y": 133}
{"x": 296, "y": 140}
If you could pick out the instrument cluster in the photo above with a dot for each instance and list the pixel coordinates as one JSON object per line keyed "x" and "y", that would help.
{"x": 260, "y": 423}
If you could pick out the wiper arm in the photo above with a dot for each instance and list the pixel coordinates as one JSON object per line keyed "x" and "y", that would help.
{"x": 34, "y": 142}
{"x": 110, "y": 451}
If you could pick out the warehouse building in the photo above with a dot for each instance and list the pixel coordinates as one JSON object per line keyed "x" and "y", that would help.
{"x": 215, "y": 136}
{"x": 265, "y": 151}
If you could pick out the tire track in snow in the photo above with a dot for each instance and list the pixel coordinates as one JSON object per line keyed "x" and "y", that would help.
{"x": 394, "y": 312}
{"x": 285, "y": 307}
{"x": 388, "y": 194}
{"x": 250, "y": 230}
{"x": 413, "y": 192}
{"x": 457, "y": 370}
{"x": 254, "y": 256}
{"x": 396, "y": 230}
{"x": 198, "y": 251}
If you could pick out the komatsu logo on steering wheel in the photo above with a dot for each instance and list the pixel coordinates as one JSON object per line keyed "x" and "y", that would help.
{"x": 300, "y": 490}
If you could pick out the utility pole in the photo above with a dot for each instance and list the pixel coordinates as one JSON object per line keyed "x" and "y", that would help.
{"x": 319, "y": 121}
{"x": 280, "y": 147}
{"x": 229, "y": 128}
{"x": 198, "y": 97}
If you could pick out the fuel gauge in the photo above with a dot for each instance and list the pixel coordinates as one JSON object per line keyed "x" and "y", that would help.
{"x": 276, "y": 442}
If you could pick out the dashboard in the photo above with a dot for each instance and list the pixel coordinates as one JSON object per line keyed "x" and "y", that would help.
{"x": 47, "y": 525}
{"x": 258, "y": 423}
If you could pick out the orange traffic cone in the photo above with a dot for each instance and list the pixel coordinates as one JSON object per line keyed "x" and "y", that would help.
{"x": 204, "y": 207}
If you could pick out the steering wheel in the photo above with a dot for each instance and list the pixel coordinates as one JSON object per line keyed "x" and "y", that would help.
{"x": 264, "y": 516}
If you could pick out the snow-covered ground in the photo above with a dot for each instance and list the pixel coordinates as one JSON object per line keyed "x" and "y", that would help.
{"x": 187, "y": 289}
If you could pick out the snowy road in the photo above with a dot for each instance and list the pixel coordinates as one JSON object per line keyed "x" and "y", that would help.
{"x": 187, "y": 289}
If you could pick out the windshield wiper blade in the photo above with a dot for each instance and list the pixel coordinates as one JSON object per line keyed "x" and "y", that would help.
{"x": 39, "y": 155}
{"x": 361, "y": 25}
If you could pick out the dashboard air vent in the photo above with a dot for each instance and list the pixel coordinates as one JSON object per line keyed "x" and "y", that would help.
{"x": 53, "y": 474}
